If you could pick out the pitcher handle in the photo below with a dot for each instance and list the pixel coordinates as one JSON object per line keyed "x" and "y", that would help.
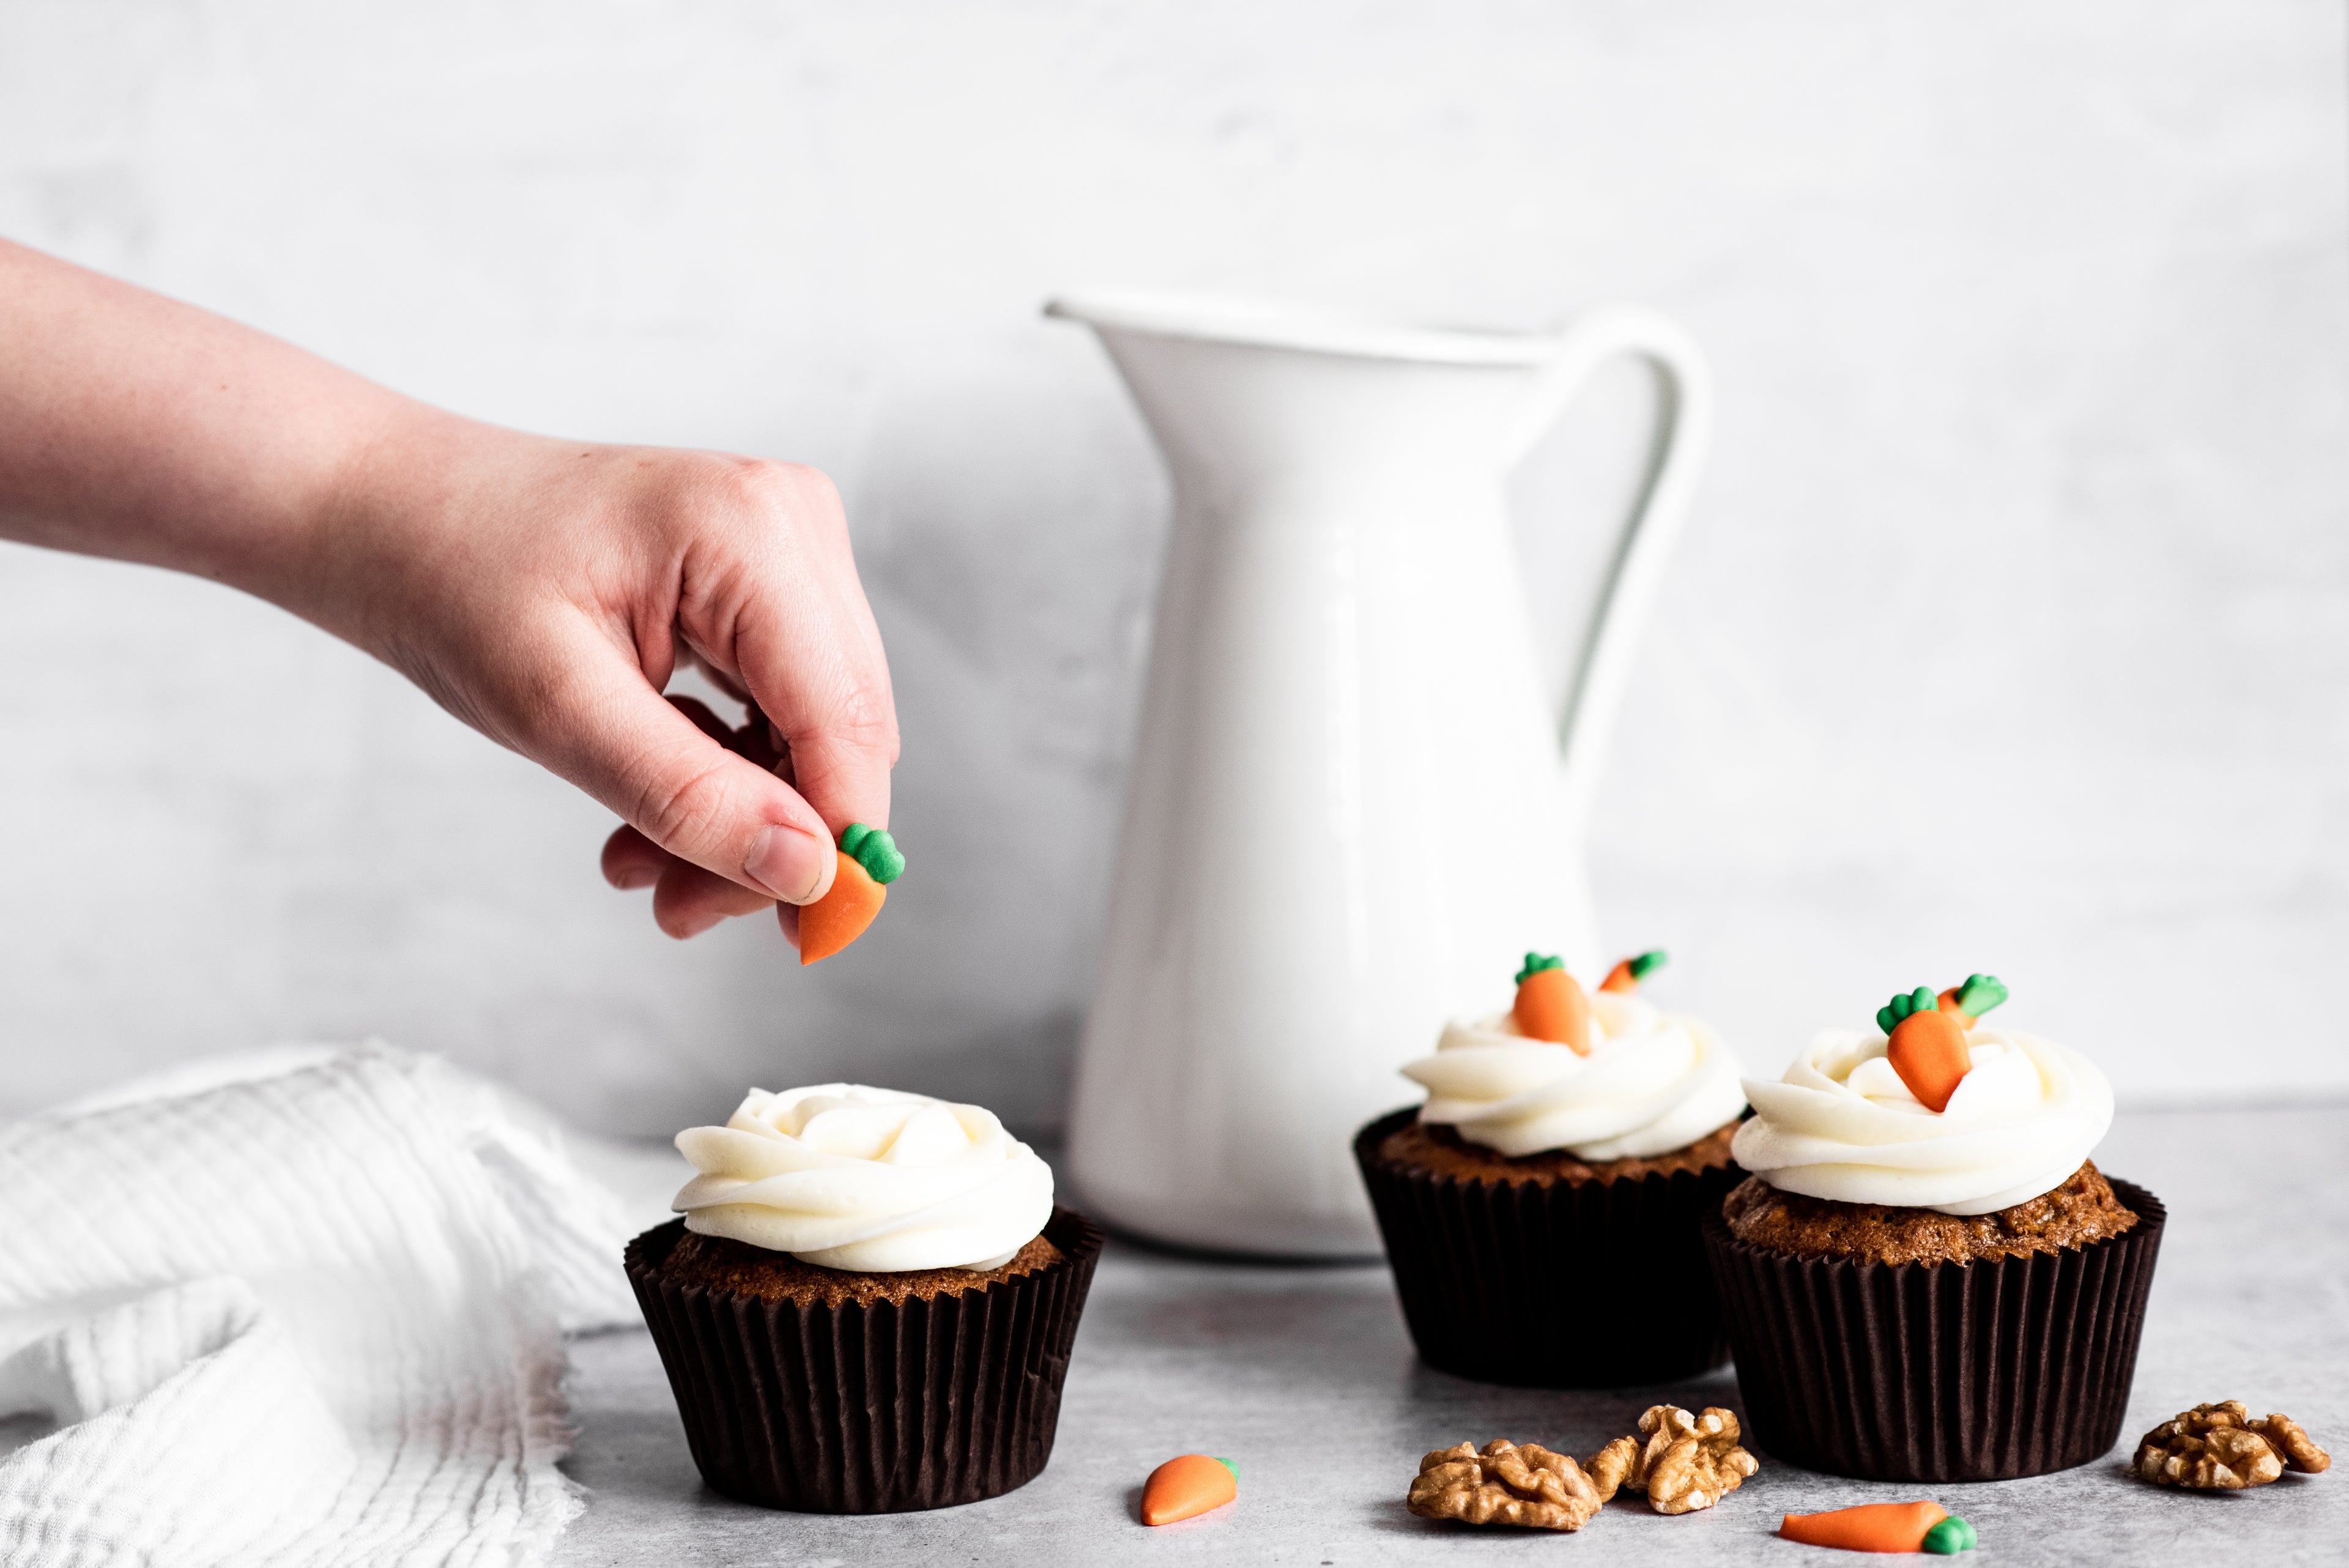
{"x": 1676, "y": 455}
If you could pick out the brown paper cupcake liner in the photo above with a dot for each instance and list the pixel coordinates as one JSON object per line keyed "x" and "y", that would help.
{"x": 885, "y": 1407}
{"x": 1983, "y": 1371}
{"x": 1596, "y": 1284}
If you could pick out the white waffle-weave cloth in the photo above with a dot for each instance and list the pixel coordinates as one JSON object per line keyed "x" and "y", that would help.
{"x": 300, "y": 1307}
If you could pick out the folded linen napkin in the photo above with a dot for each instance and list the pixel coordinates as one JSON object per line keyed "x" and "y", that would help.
{"x": 303, "y": 1308}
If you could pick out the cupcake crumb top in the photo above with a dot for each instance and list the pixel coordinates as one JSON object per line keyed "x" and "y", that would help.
{"x": 723, "y": 1263}
{"x": 2081, "y": 1209}
{"x": 1436, "y": 1147}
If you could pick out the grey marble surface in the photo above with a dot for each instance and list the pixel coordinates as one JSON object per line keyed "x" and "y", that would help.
{"x": 1307, "y": 1379}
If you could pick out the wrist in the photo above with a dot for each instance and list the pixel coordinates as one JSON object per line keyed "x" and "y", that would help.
{"x": 383, "y": 517}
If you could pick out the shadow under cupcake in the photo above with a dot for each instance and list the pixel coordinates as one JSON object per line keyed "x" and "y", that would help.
{"x": 1926, "y": 1278}
{"x": 931, "y": 1379}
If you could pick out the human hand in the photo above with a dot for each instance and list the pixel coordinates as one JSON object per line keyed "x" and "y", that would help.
{"x": 545, "y": 592}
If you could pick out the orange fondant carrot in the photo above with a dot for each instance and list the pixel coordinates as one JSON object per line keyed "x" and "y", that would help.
{"x": 1628, "y": 973}
{"x": 1928, "y": 1052}
{"x": 869, "y": 861}
{"x": 840, "y": 917}
{"x": 1186, "y": 1487}
{"x": 1927, "y": 1035}
{"x": 1872, "y": 1527}
{"x": 1551, "y": 1005}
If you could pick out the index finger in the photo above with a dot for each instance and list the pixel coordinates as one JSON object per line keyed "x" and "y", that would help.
{"x": 805, "y": 644}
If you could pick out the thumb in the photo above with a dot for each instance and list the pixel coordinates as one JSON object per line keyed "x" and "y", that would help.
{"x": 616, "y": 738}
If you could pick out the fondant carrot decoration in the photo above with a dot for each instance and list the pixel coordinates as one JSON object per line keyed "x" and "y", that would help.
{"x": 1628, "y": 973}
{"x": 1550, "y": 1005}
{"x": 1187, "y": 1486}
{"x": 1880, "y": 1527}
{"x": 1980, "y": 993}
{"x": 1928, "y": 1036}
{"x": 869, "y": 862}
{"x": 1929, "y": 1046}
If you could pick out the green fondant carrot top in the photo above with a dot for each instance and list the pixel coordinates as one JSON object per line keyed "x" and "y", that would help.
{"x": 1980, "y": 994}
{"x": 873, "y": 848}
{"x": 1920, "y": 1000}
{"x": 1535, "y": 962}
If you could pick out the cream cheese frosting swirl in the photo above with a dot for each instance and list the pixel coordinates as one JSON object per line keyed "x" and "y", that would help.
{"x": 867, "y": 1180}
{"x": 1652, "y": 1083}
{"x": 1841, "y": 1124}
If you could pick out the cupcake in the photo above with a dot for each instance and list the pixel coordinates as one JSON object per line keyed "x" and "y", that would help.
{"x": 1541, "y": 1209}
{"x": 1926, "y": 1278}
{"x": 868, "y": 1305}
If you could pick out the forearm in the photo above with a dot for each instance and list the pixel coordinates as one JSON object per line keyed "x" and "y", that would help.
{"x": 137, "y": 426}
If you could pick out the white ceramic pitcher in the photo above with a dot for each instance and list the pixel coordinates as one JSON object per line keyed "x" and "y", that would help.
{"x": 1352, "y": 808}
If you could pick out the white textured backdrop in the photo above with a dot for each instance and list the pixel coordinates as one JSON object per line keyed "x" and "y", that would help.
{"x": 2010, "y": 631}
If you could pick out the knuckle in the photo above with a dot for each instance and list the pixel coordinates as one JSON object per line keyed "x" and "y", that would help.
{"x": 766, "y": 487}
{"x": 865, "y": 715}
{"x": 685, "y": 808}
{"x": 812, "y": 492}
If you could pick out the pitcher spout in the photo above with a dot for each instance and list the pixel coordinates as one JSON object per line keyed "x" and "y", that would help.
{"x": 1267, "y": 324}
{"x": 1240, "y": 391}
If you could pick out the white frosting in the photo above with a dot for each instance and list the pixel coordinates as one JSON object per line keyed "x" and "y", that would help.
{"x": 867, "y": 1180}
{"x": 1842, "y": 1125}
{"x": 1652, "y": 1084}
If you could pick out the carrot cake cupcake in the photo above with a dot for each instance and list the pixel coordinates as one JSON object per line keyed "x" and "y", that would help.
{"x": 1557, "y": 1173}
{"x": 1926, "y": 1277}
{"x": 869, "y": 1302}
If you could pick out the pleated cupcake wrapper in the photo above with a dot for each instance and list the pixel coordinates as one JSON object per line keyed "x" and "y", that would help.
{"x": 1939, "y": 1373}
{"x": 884, "y": 1408}
{"x": 1596, "y": 1284}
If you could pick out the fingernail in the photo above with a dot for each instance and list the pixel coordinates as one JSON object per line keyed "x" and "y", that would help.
{"x": 787, "y": 864}
{"x": 686, "y": 930}
{"x": 628, "y": 882}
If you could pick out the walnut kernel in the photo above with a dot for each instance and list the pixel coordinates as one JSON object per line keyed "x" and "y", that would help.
{"x": 1687, "y": 1462}
{"x": 1505, "y": 1484}
{"x": 2298, "y": 1449}
{"x": 2210, "y": 1448}
{"x": 1611, "y": 1467}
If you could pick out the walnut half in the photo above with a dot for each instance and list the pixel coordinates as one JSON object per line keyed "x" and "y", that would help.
{"x": 1686, "y": 1462}
{"x": 2220, "y": 1446}
{"x": 1505, "y": 1484}
{"x": 2298, "y": 1449}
